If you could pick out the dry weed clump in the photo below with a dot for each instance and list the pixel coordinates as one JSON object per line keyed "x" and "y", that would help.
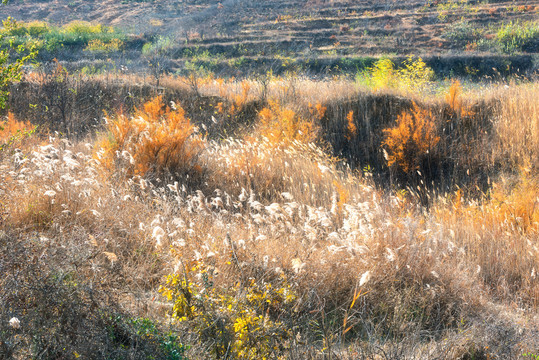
{"x": 60, "y": 313}
{"x": 509, "y": 278}
{"x": 59, "y": 189}
{"x": 303, "y": 171}
{"x": 499, "y": 233}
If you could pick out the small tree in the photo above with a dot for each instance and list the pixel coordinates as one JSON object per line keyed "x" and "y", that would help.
{"x": 156, "y": 55}
{"x": 195, "y": 74}
{"x": 60, "y": 90}
{"x": 415, "y": 75}
{"x": 11, "y": 71}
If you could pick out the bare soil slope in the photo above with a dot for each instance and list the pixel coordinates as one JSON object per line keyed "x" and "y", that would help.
{"x": 259, "y": 28}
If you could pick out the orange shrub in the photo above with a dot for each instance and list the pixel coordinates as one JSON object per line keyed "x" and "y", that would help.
{"x": 318, "y": 111}
{"x": 156, "y": 140}
{"x": 220, "y": 108}
{"x": 351, "y": 129}
{"x": 239, "y": 100}
{"x": 454, "y": 99}
{"x": 341, "y": 196}
{"x": 280, "y": 125}
{"x": 222, "y": 89}
{"x": 413, "y": 137}
{"x": 453, "y": 96}
{"x": 11, "y": 130}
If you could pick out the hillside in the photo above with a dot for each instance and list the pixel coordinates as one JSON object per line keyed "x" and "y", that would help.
{"x": 339, "y": 34}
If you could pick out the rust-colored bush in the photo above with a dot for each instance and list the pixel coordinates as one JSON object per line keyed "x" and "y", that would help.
{"x": 283, "y": 125}
{"x": 351, "y": 128}
{"x": 11, "y": 128}
{"x": 413, "y": 137}
{"x": 157, "y": 140}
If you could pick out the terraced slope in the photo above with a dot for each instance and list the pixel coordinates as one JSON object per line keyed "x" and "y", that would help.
{"x": 247, "y": 30}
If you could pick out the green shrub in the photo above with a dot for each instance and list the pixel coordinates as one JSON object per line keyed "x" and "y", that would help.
{"x": 44, "y": 36}
{"x": 517, "y": 36}
{"x": 83, "y": 27}
{"x": 37, "y": 28}
{"x": 80, "y": 33}
{"x": 97, "y": 45}
{"x": 168, "y": 342}
{"x": 159, "y": 47}
{"x": 462, "y": 32}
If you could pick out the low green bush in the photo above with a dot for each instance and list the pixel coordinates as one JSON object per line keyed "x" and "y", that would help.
{"x": 50, "y": 38}
{"x": 518, "y": 36}
{"x": 462, "y": 32}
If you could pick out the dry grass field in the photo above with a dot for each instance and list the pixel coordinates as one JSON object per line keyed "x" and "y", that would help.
{"x": 351, "y": 202}
{"x": 162, "y": 237}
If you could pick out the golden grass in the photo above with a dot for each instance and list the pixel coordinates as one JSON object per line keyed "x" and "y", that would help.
{"x": 498, "y": 235}
{"x": 517, "y": 126}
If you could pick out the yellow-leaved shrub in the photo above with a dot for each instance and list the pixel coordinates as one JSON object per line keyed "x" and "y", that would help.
{"x": 241, "y": 321}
